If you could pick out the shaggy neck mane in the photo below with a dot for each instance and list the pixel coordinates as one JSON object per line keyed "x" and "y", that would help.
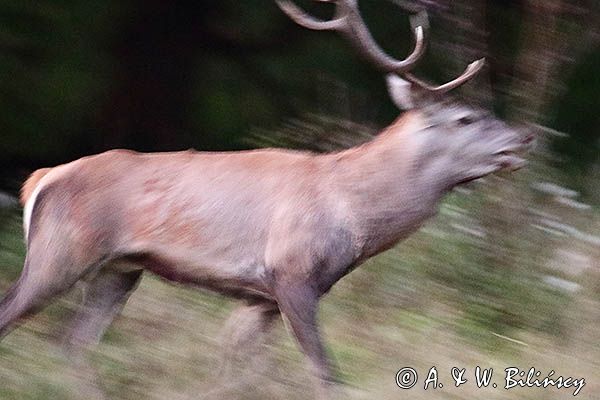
{"x": 388, "y": 198}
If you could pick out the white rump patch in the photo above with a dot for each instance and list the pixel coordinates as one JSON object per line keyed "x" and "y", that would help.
{"x": 28, "y": 210}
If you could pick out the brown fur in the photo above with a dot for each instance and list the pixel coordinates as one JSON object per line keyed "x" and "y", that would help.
{"x": 275, "y": 227}
{"x": 31, "y": 183}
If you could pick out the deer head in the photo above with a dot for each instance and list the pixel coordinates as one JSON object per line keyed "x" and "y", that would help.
{"x": 457, "y": 143}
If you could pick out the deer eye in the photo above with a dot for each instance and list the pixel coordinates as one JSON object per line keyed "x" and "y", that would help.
{"x": 466, "y": 120}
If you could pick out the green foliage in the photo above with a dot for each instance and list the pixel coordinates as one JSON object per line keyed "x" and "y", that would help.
{"x": 12, "y": 245}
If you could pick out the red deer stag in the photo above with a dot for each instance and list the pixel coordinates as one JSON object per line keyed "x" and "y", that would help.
{"x": 274, "y": 228}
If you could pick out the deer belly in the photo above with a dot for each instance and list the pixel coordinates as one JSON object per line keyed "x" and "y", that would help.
{"x": 220, "y": 271}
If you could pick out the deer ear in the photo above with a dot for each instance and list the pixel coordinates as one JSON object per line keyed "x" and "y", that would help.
{"x": 401, "y": 92}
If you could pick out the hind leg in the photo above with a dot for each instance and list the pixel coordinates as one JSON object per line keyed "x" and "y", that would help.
{"x": 104, "y": 297}
{"x": 49, "y": 271}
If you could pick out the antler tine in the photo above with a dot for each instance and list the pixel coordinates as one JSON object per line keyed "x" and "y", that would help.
{"x": 358, "y": 34}
{"x": 471, "y": 70}
{"x": 297, "y": 15}
{"x": 349, "y": 22}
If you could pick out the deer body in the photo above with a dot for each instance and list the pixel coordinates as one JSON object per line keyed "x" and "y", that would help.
{"x": 276, "y": 228}
{"x": 234, "y": 222}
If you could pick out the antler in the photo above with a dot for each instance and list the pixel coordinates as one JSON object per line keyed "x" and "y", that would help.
{"x": 348, "y": 22}
{"x": 471, "y": 70}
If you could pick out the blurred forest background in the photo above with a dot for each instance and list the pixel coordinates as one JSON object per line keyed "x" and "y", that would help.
{"x": 508, "y": 274}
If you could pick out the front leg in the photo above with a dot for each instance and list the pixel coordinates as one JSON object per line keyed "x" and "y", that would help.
{"x": 247, "y": 330}
{"x": 298, "y": 303}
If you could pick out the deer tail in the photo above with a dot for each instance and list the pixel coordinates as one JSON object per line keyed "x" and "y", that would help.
{"x": 31, "y": 183}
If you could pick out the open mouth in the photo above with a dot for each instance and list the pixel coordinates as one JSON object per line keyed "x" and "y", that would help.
{"x": 505, "y": 160}
{"x": 510, "y": 160}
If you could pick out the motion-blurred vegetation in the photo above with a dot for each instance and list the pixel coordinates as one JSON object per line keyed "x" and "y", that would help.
{"x": 508, "y": 273}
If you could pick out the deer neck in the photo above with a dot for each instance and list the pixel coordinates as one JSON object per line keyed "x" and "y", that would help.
{"x": 390, "y": 184}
